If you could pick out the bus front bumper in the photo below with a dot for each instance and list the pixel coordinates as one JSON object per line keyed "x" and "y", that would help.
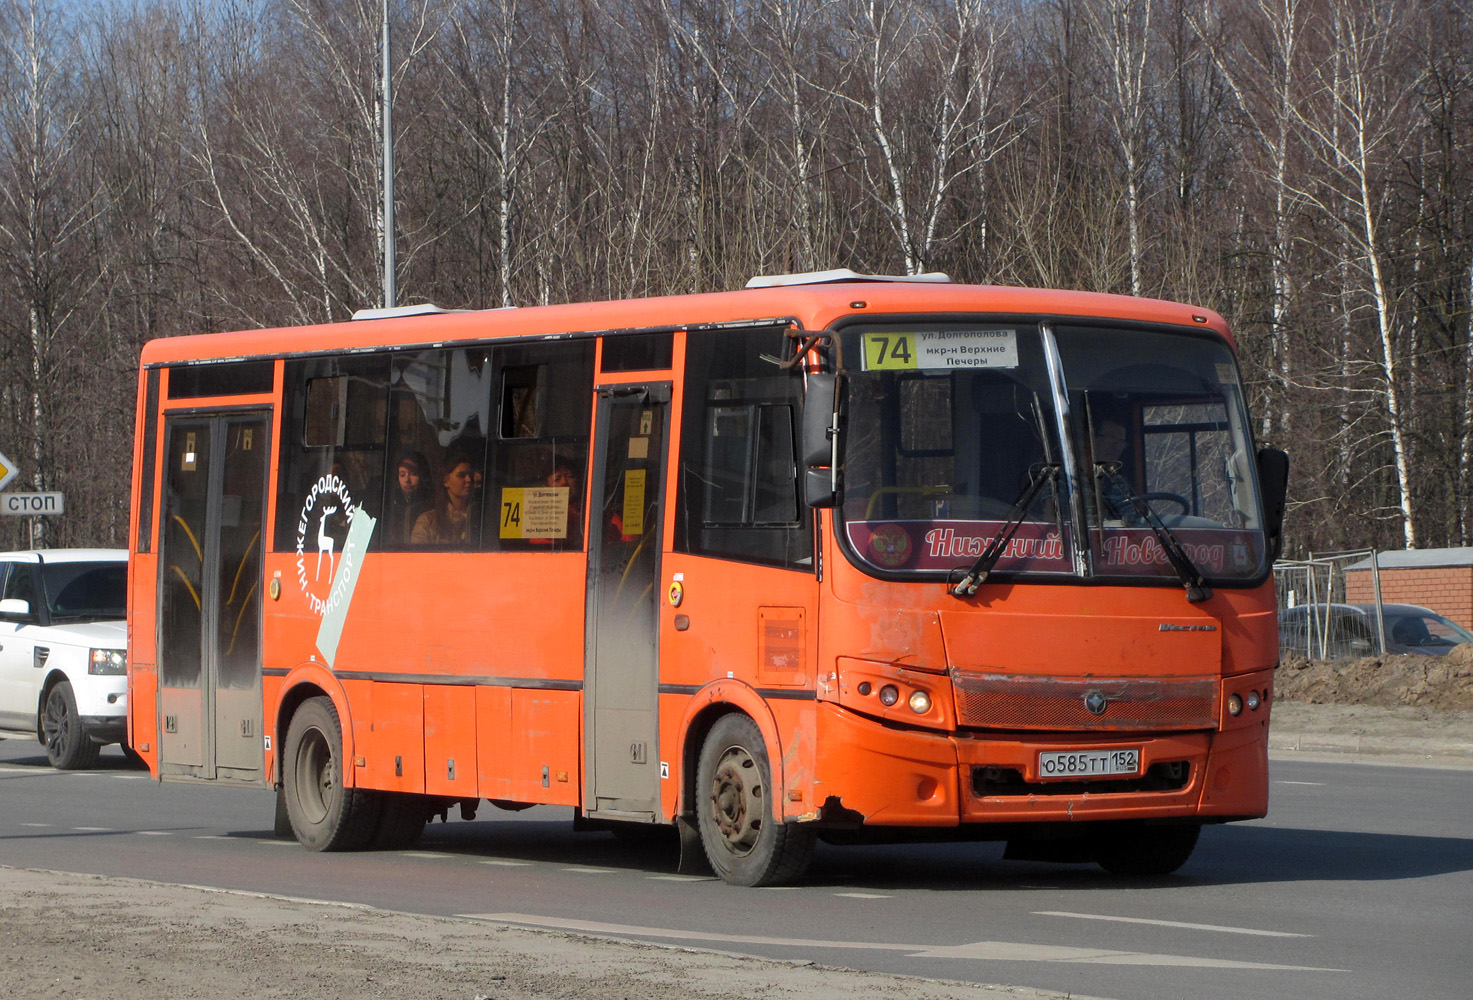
{"x": 893, "y": 777}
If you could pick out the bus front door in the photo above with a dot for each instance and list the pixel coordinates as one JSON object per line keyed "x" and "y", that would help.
{"x": 622, "y": 668}
{"x": 210, "y": 596}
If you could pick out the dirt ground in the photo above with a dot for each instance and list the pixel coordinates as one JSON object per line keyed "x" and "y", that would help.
{"x": 1441, "y": 683}
{"x": 75, "y": 937}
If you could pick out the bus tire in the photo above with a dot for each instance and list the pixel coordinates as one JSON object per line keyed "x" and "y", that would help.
{"x": 734, "y": 808}
{"x": 324, "y": 815}
{"x": 1148, "y": 850}
{"x": 401, "y": 823}
{"x": 68, "y": 748}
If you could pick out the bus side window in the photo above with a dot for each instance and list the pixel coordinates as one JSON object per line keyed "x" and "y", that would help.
{"x": 537, "y": 473}
{"x": 334, "y": 414}
{"x": 738, "y": 479}
{"x": 440, "y": 404}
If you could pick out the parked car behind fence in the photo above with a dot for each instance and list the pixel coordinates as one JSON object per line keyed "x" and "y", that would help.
{"x": 1341, "y": 631}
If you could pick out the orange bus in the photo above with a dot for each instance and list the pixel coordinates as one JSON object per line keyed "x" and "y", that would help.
{"x": 829, "y": 556}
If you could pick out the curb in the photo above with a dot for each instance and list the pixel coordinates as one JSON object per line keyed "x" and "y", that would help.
{"x": 1358, "y": 744}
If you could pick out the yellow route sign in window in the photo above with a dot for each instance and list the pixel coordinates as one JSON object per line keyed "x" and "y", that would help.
{"x": 940, "y": 349}
{"x": 633, "y": 513}
{"x": 534, "y": 512}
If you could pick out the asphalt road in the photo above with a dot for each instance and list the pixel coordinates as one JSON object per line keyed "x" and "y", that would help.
{"x": 1358, "y": 885}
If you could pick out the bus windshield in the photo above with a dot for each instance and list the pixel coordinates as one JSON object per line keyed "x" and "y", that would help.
{"x": 1095, "y": 447}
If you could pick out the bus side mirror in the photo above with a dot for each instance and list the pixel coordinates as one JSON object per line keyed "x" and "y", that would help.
{"x": 1273, "y": 480}
{"x": 15, "y": 609}
{"x": 819, "y": 442}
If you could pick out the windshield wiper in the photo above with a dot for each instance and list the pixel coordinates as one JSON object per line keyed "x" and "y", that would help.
{"x": 1038, "y": 476}
{"x": 1186, "y": 571}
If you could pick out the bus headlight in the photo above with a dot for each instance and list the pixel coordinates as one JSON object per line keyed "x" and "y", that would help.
{"x": 1252, "y": 701}
{"x": 107, "y": 661}
{"x": 1235, "y": 704}
{"x": 889, "y": 695}
{"x": 920, "y": 702}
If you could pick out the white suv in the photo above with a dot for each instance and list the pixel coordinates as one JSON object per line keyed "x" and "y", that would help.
{"x": 63, "y": 660}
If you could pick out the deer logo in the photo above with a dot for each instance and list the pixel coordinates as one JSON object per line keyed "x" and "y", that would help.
{"x": 325, "y": 543}
{"x": 328, "y": 496}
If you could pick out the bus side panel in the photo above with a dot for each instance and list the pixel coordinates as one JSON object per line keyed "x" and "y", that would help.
{"x": 389, "y": 734}
{"x": 451, "y": 767}
{"x": 548, "y": 728}
{"x": 495, "y": 742}
{"x": 527, "y": 744}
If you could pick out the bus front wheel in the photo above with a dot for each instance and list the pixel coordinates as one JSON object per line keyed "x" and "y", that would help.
{"x": 324, "y": 815}
{"x": 734, "y": 807}
{"x": 1148, "y": 850}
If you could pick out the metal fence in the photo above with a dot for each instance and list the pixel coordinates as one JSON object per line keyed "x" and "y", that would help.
{"x": 1314, "y": 618}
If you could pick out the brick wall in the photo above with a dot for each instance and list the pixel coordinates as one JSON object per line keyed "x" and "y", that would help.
{"x": 1448, "y": 590}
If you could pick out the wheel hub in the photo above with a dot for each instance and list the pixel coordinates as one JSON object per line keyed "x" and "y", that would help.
{"x": 736, "y": 793}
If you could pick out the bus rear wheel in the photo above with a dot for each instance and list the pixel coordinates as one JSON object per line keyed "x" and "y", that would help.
{"x": 734, "y": 807}
{"x": 402, "y": 821}
{"x": 324, "y": 815}
{"x": 1148, "y": 850}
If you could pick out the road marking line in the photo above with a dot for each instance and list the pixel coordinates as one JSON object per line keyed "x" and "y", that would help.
{"x": 681, "y": 878}
{"x": 424, "y": 854}
{"x": 211, "y": 836}
{"x": 1311, "y": 784}
{"x": 991, "y": 951}
{"x": 505, "y": 864}
{"x": 864, "y": 895}
{"x": 590, "y": 871}
{"x": 274, "y": 843}
{"x": 36, "y": 824}
{"x": 94, "y": 829}
{"x": 153, "y": 833}
{"x": 1169, "y": 923}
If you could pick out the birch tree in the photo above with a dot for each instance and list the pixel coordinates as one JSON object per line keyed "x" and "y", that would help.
{"x": 1356, "y": 125}
{"x": 45, "y": 211}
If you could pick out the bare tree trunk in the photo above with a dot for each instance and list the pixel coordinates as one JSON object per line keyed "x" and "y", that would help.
{"x": 1123, "y": 30}
{"x": 1465, "y": 442}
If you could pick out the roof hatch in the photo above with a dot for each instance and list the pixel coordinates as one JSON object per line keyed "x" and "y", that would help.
{"x": 841, "y": 274}
{"x": 394, "y": 312}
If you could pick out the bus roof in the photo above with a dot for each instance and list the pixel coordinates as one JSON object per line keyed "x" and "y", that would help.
{"x": 814, "y": 306}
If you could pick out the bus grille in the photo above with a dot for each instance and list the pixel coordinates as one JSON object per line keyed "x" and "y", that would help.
{"x": 1065, "y": 704}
